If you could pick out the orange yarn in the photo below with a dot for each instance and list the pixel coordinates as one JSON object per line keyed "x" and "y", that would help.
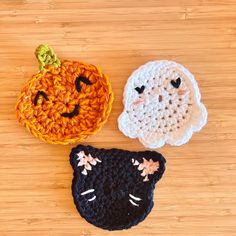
{"x": 45, "y": 121}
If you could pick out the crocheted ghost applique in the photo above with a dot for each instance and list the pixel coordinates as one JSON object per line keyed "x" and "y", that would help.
{"x": 116, "y": 192}
{"x": 162, "y": 104}
{"x": 65, "y": 101}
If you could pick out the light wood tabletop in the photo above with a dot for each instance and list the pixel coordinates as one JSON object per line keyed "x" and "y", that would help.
{"x": 197, "y": 195}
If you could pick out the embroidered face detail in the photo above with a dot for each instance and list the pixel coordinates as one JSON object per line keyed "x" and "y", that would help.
{"x": 116, "y": 192}
{"x": 162, "y": 105}
{"x": 64, "y": 102}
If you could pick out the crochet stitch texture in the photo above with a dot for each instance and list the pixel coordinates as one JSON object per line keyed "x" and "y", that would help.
{"x": 65, "y": 101}
{"x": 116, "y": 190}
{"x": 162, "y": 104}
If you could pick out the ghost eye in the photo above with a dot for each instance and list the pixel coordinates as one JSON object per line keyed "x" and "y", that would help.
{"x": 133, "y": 199}
{"x": 140, "y": 89}
{"x": 82, "y": 79}
{"x": 176, "y": 83}
{"x": 92, "y": 198}
{"x": 40, "y": 93}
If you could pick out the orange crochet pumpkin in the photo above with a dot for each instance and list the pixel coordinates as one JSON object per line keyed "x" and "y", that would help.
{"x": 65, "y": 102}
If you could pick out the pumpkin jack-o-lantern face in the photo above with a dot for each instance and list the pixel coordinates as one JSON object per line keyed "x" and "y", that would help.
{"x": 64, "y": 102}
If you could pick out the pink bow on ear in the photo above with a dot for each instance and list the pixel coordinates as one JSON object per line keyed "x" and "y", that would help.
{"x": 148, "y": 167}
{"x": 87, "y": 161}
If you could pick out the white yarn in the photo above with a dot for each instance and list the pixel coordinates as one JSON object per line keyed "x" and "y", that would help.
{"x": 160, "y": 115}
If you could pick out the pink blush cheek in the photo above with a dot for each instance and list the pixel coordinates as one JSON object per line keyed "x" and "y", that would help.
{"x": 182, "y": 92}
{"x": 138, "y": 102}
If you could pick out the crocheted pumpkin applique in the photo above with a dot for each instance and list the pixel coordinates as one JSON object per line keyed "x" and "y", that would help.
{"x": 65, "y": 101}
{"x": 116, "y": 192}
{"x": 162, "y": 104}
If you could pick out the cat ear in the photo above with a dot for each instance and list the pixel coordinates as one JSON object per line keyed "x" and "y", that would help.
{"x": 150, "y": 164}
{"x": 83, "y": 160}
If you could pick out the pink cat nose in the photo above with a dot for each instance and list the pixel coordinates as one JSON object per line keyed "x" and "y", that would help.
{"x": 160, "y": 98}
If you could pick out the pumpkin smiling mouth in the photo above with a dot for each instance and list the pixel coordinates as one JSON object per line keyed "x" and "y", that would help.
{"x": 75, "y": 112}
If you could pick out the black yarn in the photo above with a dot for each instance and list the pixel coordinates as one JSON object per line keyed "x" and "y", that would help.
{"x": 140, "y": 89}
{"x": 40, "y": 93}
{"x": 176, "y": 83}
{"x": 83, "y": 79}
{"x": 75, "y": 112}
{"x": 113, "y": 180}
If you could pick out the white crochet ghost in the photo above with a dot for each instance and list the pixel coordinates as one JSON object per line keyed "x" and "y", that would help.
{"x": 162, "y": 104}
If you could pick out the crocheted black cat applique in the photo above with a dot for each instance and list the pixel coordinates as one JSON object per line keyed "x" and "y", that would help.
{"x": 113, "y": 188}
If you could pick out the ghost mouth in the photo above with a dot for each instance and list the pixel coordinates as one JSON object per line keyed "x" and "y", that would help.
{"x": 160, "y": 98}
{"x": 75, "y": 112}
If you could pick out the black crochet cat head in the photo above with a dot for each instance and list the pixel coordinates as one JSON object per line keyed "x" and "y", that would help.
{"x": 113, "y": 189}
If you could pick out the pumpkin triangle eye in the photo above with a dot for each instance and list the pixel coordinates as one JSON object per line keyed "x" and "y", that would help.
{"x": 80, "y": 79}
{"x": 40, "y": 93}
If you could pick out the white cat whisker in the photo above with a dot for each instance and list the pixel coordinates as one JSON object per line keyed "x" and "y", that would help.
{"x": 87, "y": 191}
{"x": 135, "y": 198}
{"x": 133, "y": 203}
{"x": 92, "y": 199}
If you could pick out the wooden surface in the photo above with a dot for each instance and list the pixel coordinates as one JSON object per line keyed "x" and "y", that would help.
{"x": 197, "y": 195}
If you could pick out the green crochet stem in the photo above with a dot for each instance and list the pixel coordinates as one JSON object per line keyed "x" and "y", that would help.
{"x": 46, "y": 56}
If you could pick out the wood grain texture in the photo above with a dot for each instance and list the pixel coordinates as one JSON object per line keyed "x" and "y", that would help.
{"x": 197, "y": 195}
